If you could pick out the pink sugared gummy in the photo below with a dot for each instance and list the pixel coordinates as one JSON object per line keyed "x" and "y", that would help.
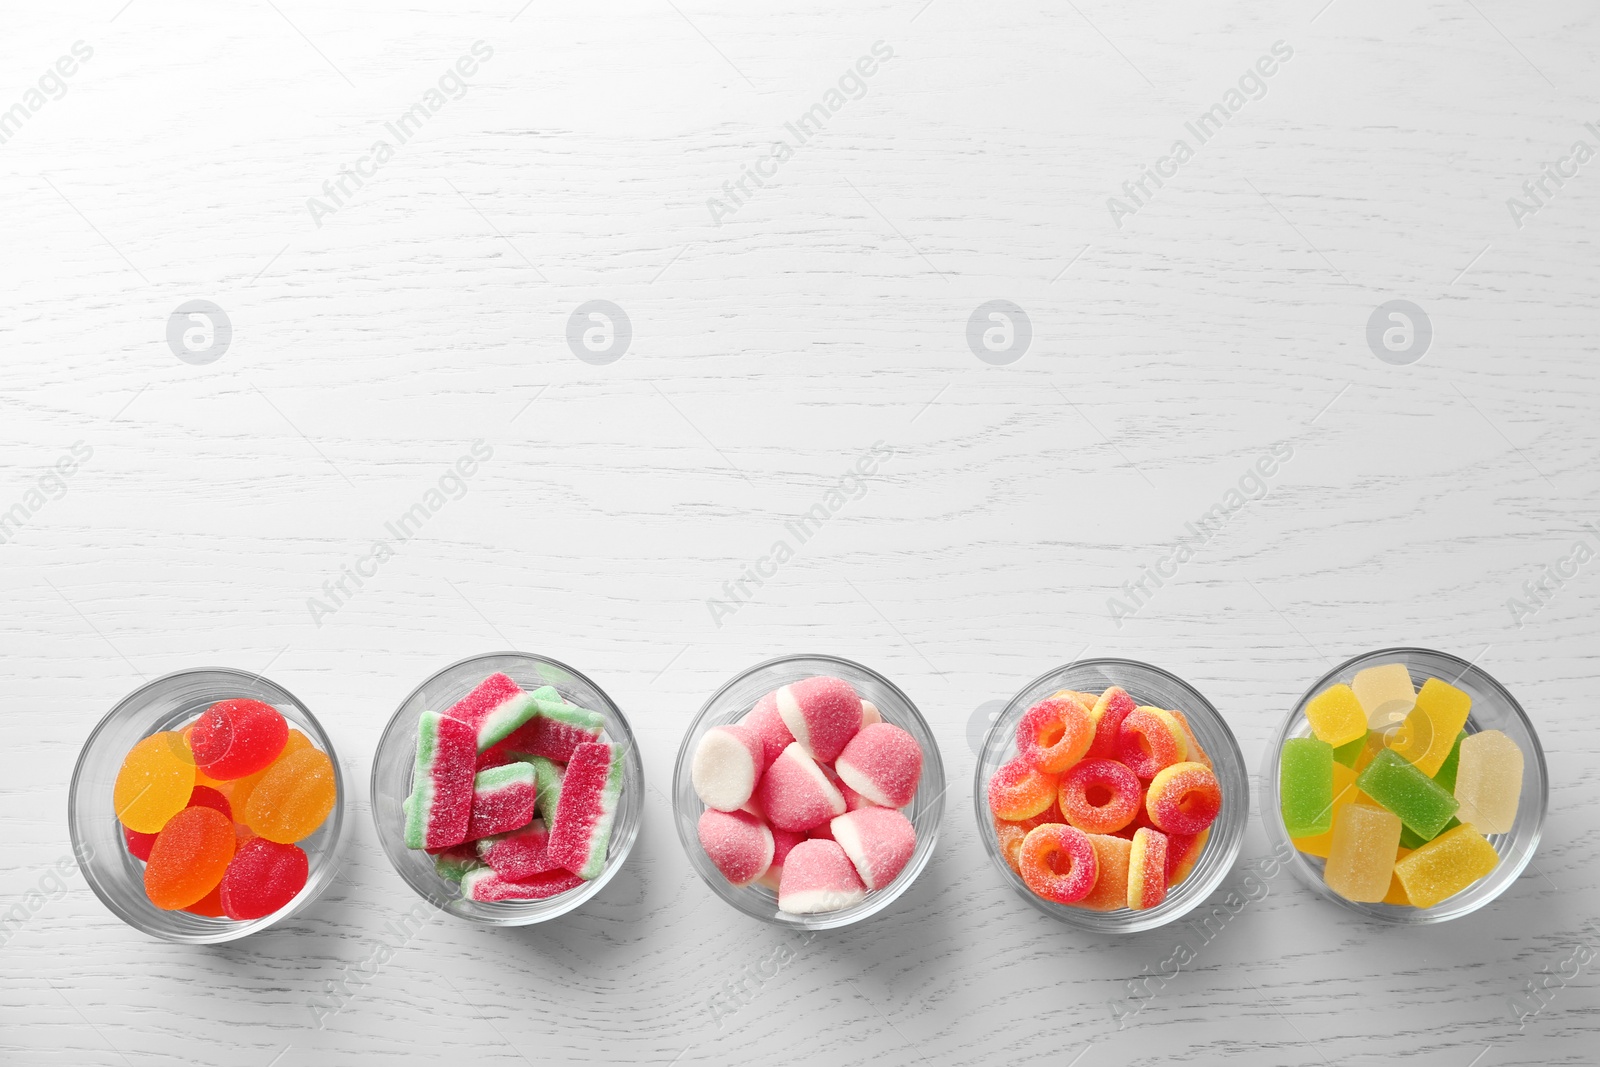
{"x": 796, "y": 794}
{"x": 783, "y": 842}
{"x": 879, "y": 842}
{"x": 870, "y": 713}
{"x": 883, "y": 764}
{"x": 486, "y": 886}
{"x": 739, "y": 844}
{"x": 728, "y": 763}
{"x": 519, "y": 854}
{"x": 768, "y": 724}
{"x": 823, "y": 714}
{"x": 818, "y": 876}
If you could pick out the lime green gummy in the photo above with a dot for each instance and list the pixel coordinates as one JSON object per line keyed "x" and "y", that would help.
{"x": 1413, "y": 840}
{"x": 1305, "y": 786}
{"x": 1447, "y": 770}
{"x": 1346, "y": 754}
{"x": 1423, "y": 805}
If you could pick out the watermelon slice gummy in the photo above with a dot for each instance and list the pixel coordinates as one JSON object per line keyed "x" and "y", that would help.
{"x": 494, "y": 709}
{"x": 502, "y": 799}
{"x": 519, "y": 854}
{"x": 456, "y": 861}
{"x": 485, "y": 885}
{"x": 550, "y": 774}
{"x": 581, "y": 832}
{"x": 440, "y": 804}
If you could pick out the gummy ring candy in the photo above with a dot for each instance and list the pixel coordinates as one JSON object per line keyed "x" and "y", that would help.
{"x": 1183, "y": 798}
{"x": 1055, "y": 734}
{"x": 1147, "y": 869}
{"x": 1058, "y": 863}
{"x": 1020, "y": 791}
{"x": 1151, "y": 739}
{"x": 1099, "y": 796}
{"x": 1109, "y": 709}
{"x": 1009, "y": 836}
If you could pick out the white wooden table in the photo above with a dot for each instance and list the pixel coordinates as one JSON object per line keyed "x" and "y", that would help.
{"x": 773, "y": 339}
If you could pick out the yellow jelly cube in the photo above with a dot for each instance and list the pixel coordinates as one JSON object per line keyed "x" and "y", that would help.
{"x": 1361, "y": 858}
{"x": 1336, "y": 716}
{"x": 1446, "y": 865}
{"x": 1397, "y": 892}
{"x": 1344, "y": 792}
{"x": 1386, "y": 693}
{"x": 1489, "y": 781}
{"x": 1429, "y": 732}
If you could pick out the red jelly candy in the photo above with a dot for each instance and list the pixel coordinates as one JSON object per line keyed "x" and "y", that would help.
{"x": 233, "y": 738}
{"x": 138, "y": 844}
{"x": 263, "y": 877}
{"x": 209, "y": 905}
{"x": 206, "y": 797}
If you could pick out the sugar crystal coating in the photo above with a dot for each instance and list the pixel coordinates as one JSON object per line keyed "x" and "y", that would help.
{"x": 1488, "y": 781}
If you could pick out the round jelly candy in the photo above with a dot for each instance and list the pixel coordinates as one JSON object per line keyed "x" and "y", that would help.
{"x": 200, "y": 777}
{"x": 1147, "y": 869}
{"x": 138, "y": 844}
{"x": 293, "y": 798}
{"x": 189, "y": 857}
{"x": 1058, "y": 863}
{"x": 1019, "y": 790}
{"x": 262, "y": 878}
{"x": 1099, "y": 796}
{"x": 1055, "y": 734}
{"x": 1183, "y": 798}
{"x": 209, "y": 905}
{"x": 233, "y": 738}
{"x": 206, "y": 797}
{"x": 154, "y": 783}
{"x": 238, "y": 790}
{"x": 1151, "y": 739}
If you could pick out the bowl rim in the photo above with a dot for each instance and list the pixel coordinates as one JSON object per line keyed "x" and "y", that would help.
{"x": 238, "y": 928}
{"x": 1080, "y": 918}
{"x": 823, "y": 920}
{"x": 1394, "y": 914}
{"x": 615, "y": 857}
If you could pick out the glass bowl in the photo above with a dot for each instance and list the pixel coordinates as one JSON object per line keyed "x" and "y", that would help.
{"x": 1493, "y": 708}
{"x": 396, "y": 756}
{"x": 1150, "y": 686}
{"x": 731, "y": 703}
{"x": 114, "y": 874}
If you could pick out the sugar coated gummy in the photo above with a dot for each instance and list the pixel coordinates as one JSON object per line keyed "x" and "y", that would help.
{"x": 154, "y": 783}
{"x": 765, "y": 721}
{"x": 738, "y": 843}
{"x": 495, "y": 707}
{"x": 818, "y": 877}
{"x": 233, "y": 738}
{"x": 1183, "y": 798}
{"x": 1429, "y": 731}
{"x": 1488, "y": 781}
{"x": 519, "y": 854}
{"x": 1099, "y": 796}
{"x": 1058, "y": 863}
{"x": 188, "y": 858}
{"x": 1362, "y": 854}
{"x": 823, "y": 714}
{"x": 879, "y": 842}
{"x": 1151, "y": 739}
{"x": 1018, "y": 790}
{"x": 502, "y": 799}
{"x": 485, "y": 886}
{"x": 1183, "y": 852}
{"x": 580, "y": 835}
{"x": 1445, "y": 866}
{"x": 1112, "y": 857}
{"x": 1147, "y": 869}
{"x": 1386, "y": 693}
{"x": 870, "y": 714}
{"x": 441, "y": 782}
{"x": 1344, "y": 792}
{"x": 783, "y": 843}
{"x": 882, "y": 763}
{"x": 294, "y": 798}
{"x": 1054, "y": 734}
{"x": 263, "y": 877}
{"x": 796, "y": 794}
{"x": 1305, "y": 786}
{"x": 1109, "y": 709}
{"x": 1196, "y": 754}
{"x": 728, "y": 762}
{"x": 1405, "y": 790}
{"x": 549, "y": 774}
{"x": 238, "y": 790}
{"x": 1336, "y": 716}
{"x": 453, "y": 862}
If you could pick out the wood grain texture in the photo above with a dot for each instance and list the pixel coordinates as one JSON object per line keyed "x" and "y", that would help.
{"x": 827, "y": 313}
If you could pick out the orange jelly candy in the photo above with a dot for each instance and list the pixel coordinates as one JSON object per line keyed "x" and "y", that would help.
{"x": 189, "y": 858}
{"x": 154, "y": 783}
{"x": 238, "y": 790}
{"x": 297, "y": 793}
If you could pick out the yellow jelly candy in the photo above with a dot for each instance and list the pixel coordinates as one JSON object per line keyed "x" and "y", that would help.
{"x": 154, "y": 783}
{"x": 1489, "y": 781}
{"x": 1336, "y": 716}
{"x": 1429, "y": 732}
{"x": 238, "y": 790}
{"x": 1446, "y": 865}
{"x": 297, "y": 793}
{"x": 1344, "y": 792}
{"x": 1397, "y": 892}
{"x": 1386, "y": 693}
{"x": 1361, "y": 858}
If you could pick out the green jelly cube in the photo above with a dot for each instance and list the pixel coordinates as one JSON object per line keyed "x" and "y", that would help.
{"x": 1423, "y": 805}
{"x": 1447, "y": 770}
{"x": 1414, "y": 841}
{"x": 1346, "y": 754}
{"x": 1305, "y": 786}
